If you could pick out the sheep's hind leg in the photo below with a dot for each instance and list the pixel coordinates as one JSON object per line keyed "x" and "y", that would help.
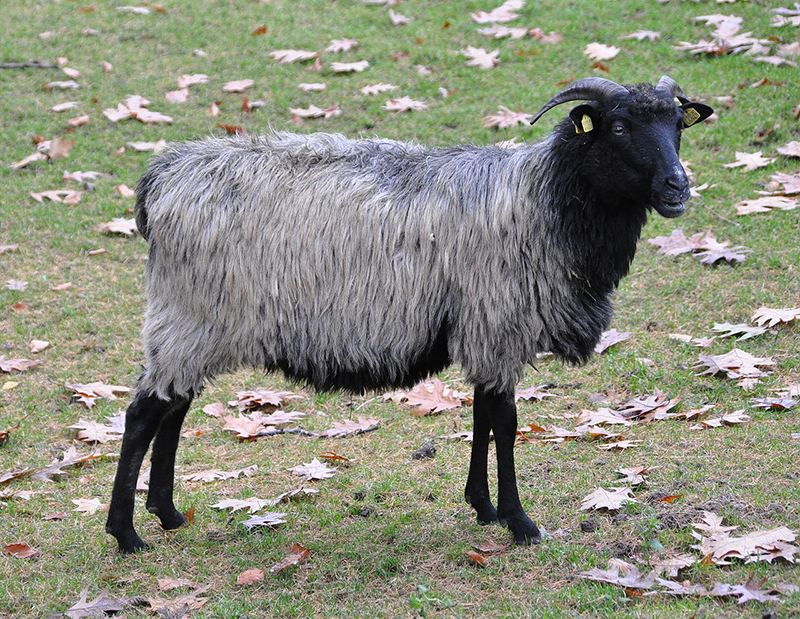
{"x": 477, "y": 491}
{"x": 503, "y": 414}
{"x": 142, "y": 421}
{"x": 162, "y": 471}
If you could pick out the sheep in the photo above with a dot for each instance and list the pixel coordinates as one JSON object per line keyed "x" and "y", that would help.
{"x": 371, "y": 264}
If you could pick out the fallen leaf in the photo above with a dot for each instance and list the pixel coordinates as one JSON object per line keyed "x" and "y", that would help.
{"x": 287, "y": 56}
{"x": 119, "y": 225}
{"x": 749, "y": 161}
{"x": 610, "y": 499}
{"x": 790, "y": 182}
{"x": 349, "y": 67}
{"x": 28, "y": 160}
{"x": 312, "y": 111}
{"x": 431, "y": 397}
{"x": 550, "y": 38}
{"x": 15, "y": 284}
{"x": 249, "y": 577}
{"x": 168, "y": 583}
{"x": 70, "y": 197}
{"x": 186, "y": 80}
{"x": 497, "y": 31}
{"x": 726, "y": 329}
{"x": 491, "y": 548}
{"x": 341, "y": 45}
{"x": 313, "y": 470}
{"x": 506, "y": 118}
{"x": 90, "y": 392}
{"x": 155, "y": 147}
{"x": 600, "y": 51}
{"x": 137, "y": 10}
{"x": 259, "y": 398}
{"x": 479, "y": 57}
{"x": 89, "y": 506}
{"x": 603, "y": 416}
{"x": 16, "y": 365}
{"x": 179, "y": 606}
{"x": 609, "y": 339}
{"x": 58, "y": 148}
{"x": 217, "y": 409}
{"x": 533, "y": 393}
{"x": 70, "y": 457}
{"x": 633, "y": 476}
{"x": 62, "y": 107}
{"x": 252, "y": 504}
{"x": 375, "y": 89}
{"x": 62, "y": 85}
{"x": 642, "y": 35}
{"x": 270, "y": 519}
{"x": 765, "y": 205}
{"x": 177, "y": 96}
{"x": 20, "y": 551}
{"x": 93, "y": 432}
{"x": 782, "y": 404}
{"x": 736, "y": 364}
{"x": 82, "y": 177}
{"x": 348, "y": 427}
{"x": 79, "y": 121}
{"x": 297, "y": 556}
{"x": 237, "y": 85}
{"x": 209, "y": 475}
{"x": 625, "y": 444}
{"x": 398, "y": 19}
{"x": 314, "y": 87}
{"x": 773, "y": 316}
{"x": 631, "y": 578}
{"x": 671, "y": 565}
{"x": 476, "y": 557}
{"x": 729, "y": 419}
{"x": 792, "y": 149}
{"x": 37, "y": 346}
{"x": 503, "y": 13}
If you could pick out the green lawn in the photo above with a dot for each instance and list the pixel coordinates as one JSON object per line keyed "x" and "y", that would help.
{"x": 388, "y": 535}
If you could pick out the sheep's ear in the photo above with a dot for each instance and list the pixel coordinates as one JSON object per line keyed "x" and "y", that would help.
{"x": 694, "y": 113}
{"x": 585, "y": 118}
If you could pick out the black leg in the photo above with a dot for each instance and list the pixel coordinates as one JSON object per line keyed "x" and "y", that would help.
{"x": 503, "y": 414}
{"x": 477, "y": 490}
{"x": 142, "y": 420}
{"x": 162, "y": 472}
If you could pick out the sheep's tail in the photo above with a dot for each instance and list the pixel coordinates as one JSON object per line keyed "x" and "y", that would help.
{"x": 142, "y": 193}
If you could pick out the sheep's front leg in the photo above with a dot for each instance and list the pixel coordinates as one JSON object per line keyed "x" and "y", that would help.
{"x": 142, "y": 421}
{"x": 162, "y": 472}
{"x": 477, "y": 490}
{"x": 503, "y": 414}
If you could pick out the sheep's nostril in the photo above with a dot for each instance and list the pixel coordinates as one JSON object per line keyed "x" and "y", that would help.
{"x": 678, "y": 183}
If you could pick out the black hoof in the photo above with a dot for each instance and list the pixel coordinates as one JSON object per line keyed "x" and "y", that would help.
{"x": 173, "y": 520}
{"x": 486, "y": 512}
{"x": 523, "y": 529}
{"x": 487, "y": 516}
{"x": 131, "y": 543}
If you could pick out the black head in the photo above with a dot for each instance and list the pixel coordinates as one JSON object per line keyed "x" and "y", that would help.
{"x": 629, "y": 139}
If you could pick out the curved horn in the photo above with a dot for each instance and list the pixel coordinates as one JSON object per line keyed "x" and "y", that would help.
{"x": 587, "y": 89}
{"x": 669, "y": 85}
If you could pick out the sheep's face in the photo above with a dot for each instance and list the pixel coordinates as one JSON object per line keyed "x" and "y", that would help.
{"x": 632, "y": 149}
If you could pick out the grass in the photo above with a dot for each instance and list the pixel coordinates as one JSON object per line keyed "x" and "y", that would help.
{"x": 388, "y": 535}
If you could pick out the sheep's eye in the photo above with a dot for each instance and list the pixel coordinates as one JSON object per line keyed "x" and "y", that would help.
{"x": 618, "y": 128}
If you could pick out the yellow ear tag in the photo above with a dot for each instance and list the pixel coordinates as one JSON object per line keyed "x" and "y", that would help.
{"x": 690, "y": 116}
{"x": 586, "y": 123}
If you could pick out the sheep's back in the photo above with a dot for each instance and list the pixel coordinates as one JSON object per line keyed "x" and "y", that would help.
{"x": 287, "y": 254}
